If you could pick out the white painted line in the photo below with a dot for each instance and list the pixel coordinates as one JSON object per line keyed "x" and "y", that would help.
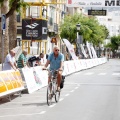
{"x": 71, "y": 83}
{"x": 90, "y": 73}
{"x": 72, "y": 90}
{"x": 27, "y": 102}
{"x": 18, "y": 108}
{"x": 52, "y": 105}
{"x": 61, "y": 99}
{"x": 67, "y": 95}
{"x": 116, "y": 74}
{"x": 102, "y": 74}
{"x": 43, "y": 112}
{"x": 76, "y": 88}
{"x": 20, "y": 115}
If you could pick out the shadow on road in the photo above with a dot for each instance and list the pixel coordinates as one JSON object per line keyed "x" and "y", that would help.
{"x": 35, "y": 104}
{"x": 6, "y": 99}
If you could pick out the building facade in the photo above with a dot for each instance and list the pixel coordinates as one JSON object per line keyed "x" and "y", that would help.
{"x": 50, "y": 11}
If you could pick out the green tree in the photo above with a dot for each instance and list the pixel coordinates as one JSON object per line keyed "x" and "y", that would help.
{"x": 91, "y": 30}
{"x": 12, "y": 6}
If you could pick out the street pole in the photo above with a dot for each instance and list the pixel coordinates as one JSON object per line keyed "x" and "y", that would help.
{"x": 3, "y": 27}
{"x": 78, "y": 29}
{"x": 2, "y": 49}
{"x": 77, "y": 42}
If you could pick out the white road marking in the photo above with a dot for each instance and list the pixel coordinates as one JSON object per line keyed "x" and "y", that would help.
{"x": 61, "y": 99}
{"x": 76, "y": 88}
{"x": 116, "y": 74}
{"x": 67, "y": 95}
{"x": 22, "y": 114}
{"x": 43, "y": 112}
{"x": 102, "y": 74}
{"x": 52, "y": 105}
{"x": 18, "y": 108}
{"x": 89, "y": 73}
{"x": 72, "y": 90}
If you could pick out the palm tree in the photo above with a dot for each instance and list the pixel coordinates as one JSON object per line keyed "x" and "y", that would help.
{"x": 12, "y": 31}
{"x": 5, "y": 46}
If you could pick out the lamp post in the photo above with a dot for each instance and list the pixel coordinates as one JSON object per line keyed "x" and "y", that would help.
{"x": 78, "y": 28}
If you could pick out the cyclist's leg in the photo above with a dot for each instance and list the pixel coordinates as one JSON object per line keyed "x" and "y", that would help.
{"x": 49, "y": 77}
{"x": 59, "y": 78}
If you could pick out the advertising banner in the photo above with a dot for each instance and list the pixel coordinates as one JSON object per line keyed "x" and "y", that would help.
{"x": 93, "y": 3}
{"x": 10, "y": 81}
{"x": 34, "y": 29}
{"x": 70, "y": 48}
{"x": 35, "y": 78}
{"x": 89, "y": 50}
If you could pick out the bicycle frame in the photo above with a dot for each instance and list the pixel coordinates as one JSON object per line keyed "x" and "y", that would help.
{"x": 52, "y": 87}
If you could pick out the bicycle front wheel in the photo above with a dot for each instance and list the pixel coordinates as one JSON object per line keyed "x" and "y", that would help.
{"x": 57, "y": 96}
{"x": 49, "y": 94}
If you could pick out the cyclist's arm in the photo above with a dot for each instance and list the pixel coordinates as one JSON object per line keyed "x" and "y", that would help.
{"x": 47, "y": 63}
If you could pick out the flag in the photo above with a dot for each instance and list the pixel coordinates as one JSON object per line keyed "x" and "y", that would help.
{"x": 70, "y": 48}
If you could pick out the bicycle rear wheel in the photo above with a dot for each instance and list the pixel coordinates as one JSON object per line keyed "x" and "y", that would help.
{"x": 49, "y": 94}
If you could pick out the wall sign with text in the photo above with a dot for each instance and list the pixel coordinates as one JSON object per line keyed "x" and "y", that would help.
{"x": 93, "y": 3}
{"x": 97, "y": 12}
{"x": 34, "y": 29}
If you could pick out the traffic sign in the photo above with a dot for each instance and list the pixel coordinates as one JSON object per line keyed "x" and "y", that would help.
{"x": 3, "y": 22}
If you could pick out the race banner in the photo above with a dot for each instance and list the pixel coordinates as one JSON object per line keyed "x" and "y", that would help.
{"x": 93, "y": 3}
{"x": 70, "y": 48}
{"x": 35, "y": 78}
{"x": 93, "y": 52}
{"x": 83, "y": 50}
{"x": 10, "y": 81}
{"x": 89, "y": 50}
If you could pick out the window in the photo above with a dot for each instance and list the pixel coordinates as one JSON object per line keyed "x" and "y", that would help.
{"x": 18, "y": 18}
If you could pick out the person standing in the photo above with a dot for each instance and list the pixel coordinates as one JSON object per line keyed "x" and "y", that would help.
{"x": 43, "y": 59}
{"x": 10, "y": 63}
{"x": 22, "y": 60}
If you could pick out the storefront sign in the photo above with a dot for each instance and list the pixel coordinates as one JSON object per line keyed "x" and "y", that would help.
{"x": 93, "y": 3}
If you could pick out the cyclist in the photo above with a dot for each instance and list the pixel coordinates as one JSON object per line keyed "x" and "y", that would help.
{"x": 55, "y": 59}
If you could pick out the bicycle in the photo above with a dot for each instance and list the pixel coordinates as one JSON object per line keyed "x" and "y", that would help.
{"x": 52, "y": 88}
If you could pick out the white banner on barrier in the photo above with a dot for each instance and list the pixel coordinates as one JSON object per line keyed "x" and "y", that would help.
{"x": 35, "y": 78}
{"x": 30, "y": 81}
{"x": 41, "y": 75}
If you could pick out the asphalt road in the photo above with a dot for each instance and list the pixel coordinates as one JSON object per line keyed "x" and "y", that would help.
{"x": 92, "y": 94}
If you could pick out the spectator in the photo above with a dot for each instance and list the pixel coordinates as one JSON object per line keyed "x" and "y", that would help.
{"x": 37, "y": 61}
{"x": 34, "y": 61}
{"x": 10, "y": 63}
{"x": 22, "y": 60}
{"x": 43, "y": 59}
